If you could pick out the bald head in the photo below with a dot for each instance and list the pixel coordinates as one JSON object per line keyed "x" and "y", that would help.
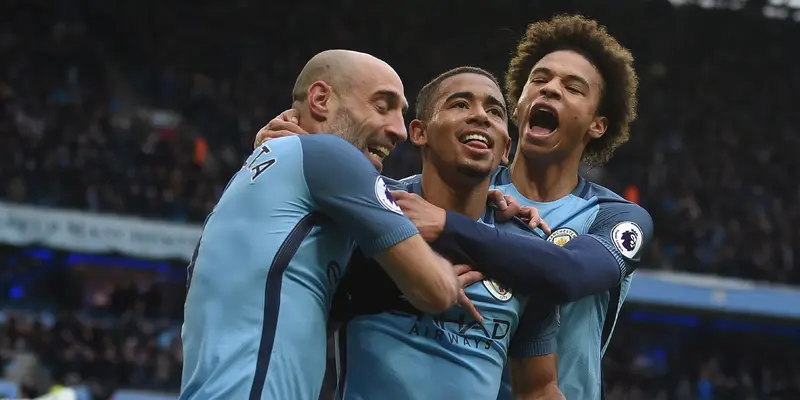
{"x": 355, "y": 96}
{"x": 338, "y": 68}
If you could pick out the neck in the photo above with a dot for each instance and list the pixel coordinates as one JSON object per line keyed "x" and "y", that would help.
{"x": 307, "y": 122}
{"x": 466, "y": 198}
{"x": 311, "y": 126}
{"x": 544, "y": 181}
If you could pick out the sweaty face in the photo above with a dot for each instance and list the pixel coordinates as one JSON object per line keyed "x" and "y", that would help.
{"x": 371, "y": 113}
{"x": 468, "y": 129}
{"x": 558, "y": 105}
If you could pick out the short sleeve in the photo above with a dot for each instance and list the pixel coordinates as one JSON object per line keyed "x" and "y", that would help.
{"x": 536, "y": 333}
{"x": 346, "y": 187}
{"x": 624, "y": 229}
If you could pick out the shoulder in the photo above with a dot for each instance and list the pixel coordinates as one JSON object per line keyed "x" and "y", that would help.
{"x": 601, "y": 193}
{"x": 626, "y": 225}
{"x": 326, "y": 143}
{"x": 611, "y": 206}
{"x": 330, "y": 154}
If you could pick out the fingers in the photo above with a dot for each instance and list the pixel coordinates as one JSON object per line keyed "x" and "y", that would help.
{"x": 266, "y": 134}
{"x": 470, "y": 277}
{"x": 496, "y": 197}
{"x": 531, "y": 215}
{"x": 401, "y": 194}
{"x": 512, "y": 202}
{"x": 462, "y": 269}
{"x": 406, "y": 199}
{"x": 510, "y": 210}
{"x": 290, "y": 115}
{"x": 467, "y": 304}
{"x": 544, "y": 227}
{"x": 285, "y": 124}
{"x": 513, "y": 207}
{"x": 260, "y": 137}
{"x": 466, "y": 277}
{"x": 278, "y": 124}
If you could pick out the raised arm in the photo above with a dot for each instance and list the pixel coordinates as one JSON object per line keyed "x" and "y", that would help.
{"x": 346, "y": 188}
{"x": 586, "y": 265}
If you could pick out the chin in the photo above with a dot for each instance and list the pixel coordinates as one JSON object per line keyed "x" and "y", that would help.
{"x": 529, "y": 147}
{"x": 476, "y": 170}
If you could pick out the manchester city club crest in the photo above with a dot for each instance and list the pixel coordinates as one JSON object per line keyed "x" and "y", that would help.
{"x": 497, "y": 290}
{"x": 561, "y": 236}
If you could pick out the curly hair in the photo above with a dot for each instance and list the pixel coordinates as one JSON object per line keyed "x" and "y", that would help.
{"x": 615, "y": 63}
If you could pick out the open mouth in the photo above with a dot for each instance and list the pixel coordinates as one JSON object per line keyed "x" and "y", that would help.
{"x": 543, "y": 120}
{"x": 477, "y": 140}
{"x": 379, "y": 152}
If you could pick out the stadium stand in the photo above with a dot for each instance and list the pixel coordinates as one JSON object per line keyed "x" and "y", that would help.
{"x": 122, "y": 121}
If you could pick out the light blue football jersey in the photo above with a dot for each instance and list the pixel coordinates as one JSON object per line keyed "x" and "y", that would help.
{"x": 586, "y": 325}
{"x": 270, "y": 257}
{"x": 399, "y": 355}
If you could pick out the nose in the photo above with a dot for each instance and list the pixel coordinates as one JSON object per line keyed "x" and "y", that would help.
{"x": 478, "y": 117}
{"x": 396, "y": 129}
{"x": 550, "y": 90}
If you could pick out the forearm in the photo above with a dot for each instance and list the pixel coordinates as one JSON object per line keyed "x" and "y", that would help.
{"x": 548, "y": 392}
{"x": 530, "y": 265}
{"x": 427, "y": 280}
{"x": 535, "y": 378}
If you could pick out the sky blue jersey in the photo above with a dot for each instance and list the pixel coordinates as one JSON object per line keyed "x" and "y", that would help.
{"x": 271, "y": 255}
{"x": 405, "y": 354}
{"x": 585, "y": 326}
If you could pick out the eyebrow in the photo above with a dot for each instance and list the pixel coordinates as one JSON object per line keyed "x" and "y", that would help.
{"x": 471, "y": 96}
{"x": 393, "y": 98}
{"x": 570, "y": 77}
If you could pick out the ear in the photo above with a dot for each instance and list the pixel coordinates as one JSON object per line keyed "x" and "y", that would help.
{"x": 320, "y": 97}
{"x": 514, "y": 116}
{"x": 417, "y": 133}
{"x": 598, "y": 127}
{"x": 507, "y": 152}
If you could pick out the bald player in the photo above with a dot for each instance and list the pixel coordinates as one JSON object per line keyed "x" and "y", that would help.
{"x": 278, "y": 241}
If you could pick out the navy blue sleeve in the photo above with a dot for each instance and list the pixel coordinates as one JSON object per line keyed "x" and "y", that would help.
{"x": 346, "y": 187}
{"x": 528, "y": 264}
{"x": 625, "y": 230}
{"x": 536, "y": 333}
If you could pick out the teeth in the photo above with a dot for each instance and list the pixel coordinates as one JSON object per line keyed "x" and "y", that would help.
{"x": 380, "y": 151}
{"x": 475, "y": 136}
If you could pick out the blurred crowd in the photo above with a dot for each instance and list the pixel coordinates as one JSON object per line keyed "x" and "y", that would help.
{"x": 146, "y": 108}
{"x": 82, "y": 86}
{"x": 105, "y": 355}
{"x": 706, "y": 359}
{"x": 646, "y": 361}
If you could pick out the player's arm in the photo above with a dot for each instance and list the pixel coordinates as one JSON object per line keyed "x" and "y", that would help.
{"x": 346, "y": 187}
{"x": 535, "y": 378}
{"x": 587, "y": 264}
{"x": 532, "y": 363}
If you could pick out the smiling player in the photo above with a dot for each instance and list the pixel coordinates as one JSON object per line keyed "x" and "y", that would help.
{"x": 274, "y": 248}
{"x": 573, "y": 90}
{"x": 461, "y": 127}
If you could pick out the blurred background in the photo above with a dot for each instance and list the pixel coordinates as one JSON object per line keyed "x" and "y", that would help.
{"x": 121, "y": 121}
